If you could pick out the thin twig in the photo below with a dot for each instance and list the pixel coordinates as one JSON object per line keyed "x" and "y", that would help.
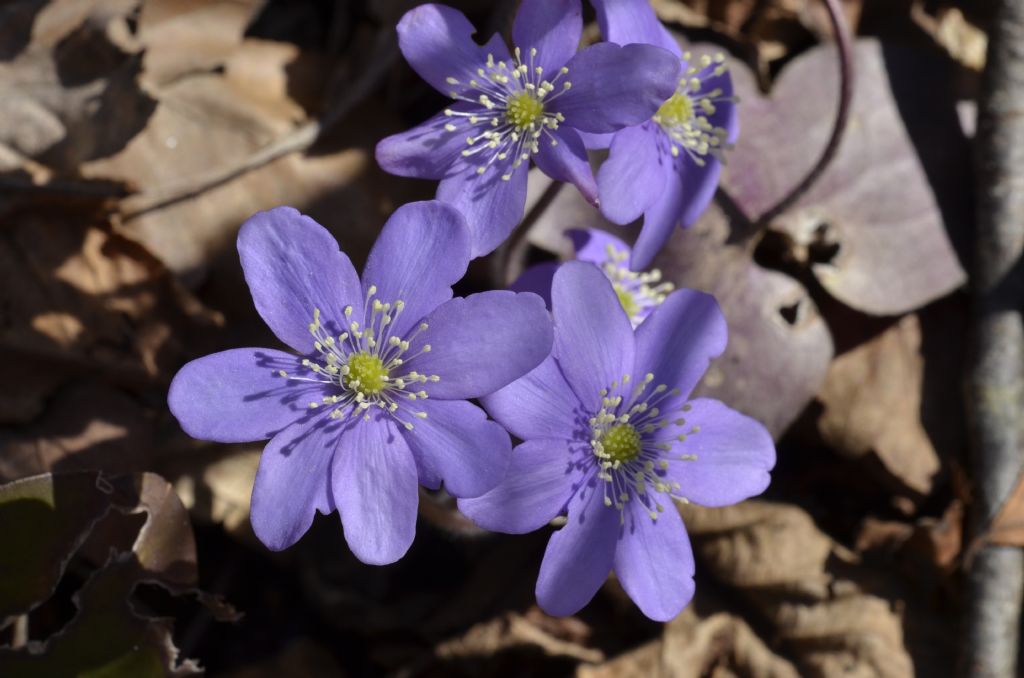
{"x": 996, "y": 370}
{"x": 844, "y": 43}
{"x": 378, "y": 63}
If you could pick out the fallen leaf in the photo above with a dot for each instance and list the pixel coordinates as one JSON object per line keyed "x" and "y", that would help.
{"x": 872, "y": 230}
{"x": 871, "y": 402}
{"x": 691, "y": 647}
{"x": 72, "y": 94}
{"x": 53, "y": 518}
{"x": 88, "y": 302}
{"x": 1007, "y": 528}
{"x": 797, "y": 578}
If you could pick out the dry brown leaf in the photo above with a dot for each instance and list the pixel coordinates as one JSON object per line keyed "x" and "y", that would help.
{"x": 80, "y": 300}
{"x": 690, "y": 647}
{"x": 215, "y": 483}
{"x": 220, "y": 106}
{"x": 72, "y": 94}
{"x": 963, "y": 40}
{"x": 509, "y": 631}
{"x": 871, "y": 402}
{"x": 1007, "y": 528}
{"x": 776, "y": 556}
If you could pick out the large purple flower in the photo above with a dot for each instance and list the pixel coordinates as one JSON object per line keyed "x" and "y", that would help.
{"x": 667, "y": 168}
{"x": 511, "y": 107}
{"x": 375, "y": 400}
{"x": 612, "y": 440}
{"x": 638, "y": 292}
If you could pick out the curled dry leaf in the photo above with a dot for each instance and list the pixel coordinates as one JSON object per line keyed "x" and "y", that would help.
{"x": 54, "y": 518}
{"x": 874, "y": 229}
{"x": 88, "y": 302}
{"x": 778, "y": 342}
{"x": 691, "y": 647}
{"x": 72, "y": 93}
{"x": 221, "y": 106}
{"x": 790, "y": 571}
{"x": 1007, "y": 528}
{"x": 871, "y": 402}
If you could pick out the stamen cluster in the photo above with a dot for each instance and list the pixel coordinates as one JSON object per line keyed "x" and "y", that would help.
{"x": 685, "y": 116}
{"x": 631, "y": 462}
{"x": 365, "y": 363}
{"x": 513, "y": 116}
{"x": 638, "y": 292}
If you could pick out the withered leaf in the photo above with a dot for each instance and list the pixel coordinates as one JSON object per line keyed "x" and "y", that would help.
{"x": 78, "y": 299}
{"x": 798, "y": 579}
{"x": 872, "y": 403}
{"x": 53, "y": 517}
{"x": 1007, "y": 528}
{"x": 691, "y": 647}
{"x": 73, "y": 94}
{"x": 872, "y": 229}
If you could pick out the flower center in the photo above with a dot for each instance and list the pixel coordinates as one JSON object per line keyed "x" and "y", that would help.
{"x": 685, "y": 116}
{"x": 630, "y": 445}
{"x": 638, "y": 293}
{"x": 366, "y": 373}
{"x": 626, "y": 300}
{"x": 621, "y": 443}
{"x": 524, "y": 110}
{"x": 676, "y": 111}
{"x": 364, "y": 363}
{"x": 505, "y": 117}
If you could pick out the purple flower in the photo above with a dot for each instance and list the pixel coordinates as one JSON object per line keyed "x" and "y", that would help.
{"x": 612, "y": 440}
{"x": 375, "y": 400}
{"x": 511, "y": 107}
{"x": 667, "y": 168}
{"x": 638, "y": 292}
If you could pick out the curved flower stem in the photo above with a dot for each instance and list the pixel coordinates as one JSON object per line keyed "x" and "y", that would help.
{"x": 995, "y": 377}
{"x": 844, "y": 41}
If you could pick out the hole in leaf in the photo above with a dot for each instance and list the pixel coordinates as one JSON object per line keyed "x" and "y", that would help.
{"x": 790, "y": 313}
{"x": 822, "y": 249}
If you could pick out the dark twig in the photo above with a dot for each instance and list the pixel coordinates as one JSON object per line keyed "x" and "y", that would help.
{"x": 996, "y": 370}
{"x": 382, "y": 56}
{"x": 844, "y": 42}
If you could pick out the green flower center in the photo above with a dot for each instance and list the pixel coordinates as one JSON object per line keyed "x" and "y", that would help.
{"x": 675, "y": 112}
{"x": 366, "y": 373}
{"x": 524, "y": 110}
{"x": 621, "y": 443}
{"x": 627, "y": 301}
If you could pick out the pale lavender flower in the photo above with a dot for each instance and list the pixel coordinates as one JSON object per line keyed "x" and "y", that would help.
{"x": 375, "y": 400}
{"x": 511, "y": 107}
{"x": 638, "y": 292}
{"x": 613, "y": 440}
{"x": 666, "y": 169}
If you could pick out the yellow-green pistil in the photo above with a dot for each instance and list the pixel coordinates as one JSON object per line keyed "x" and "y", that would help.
{"x": 627, "y": 301}
{"x": 366, "y": 373}
{"x": 675, "y": 112}
{"x": 524, "y": 110}
{"x": 621, "y": 443}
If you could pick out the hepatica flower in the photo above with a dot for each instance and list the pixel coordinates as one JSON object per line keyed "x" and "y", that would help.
{"x": 638, "y": 292}
{"x": 510, "y": 107}
{"x": 667, "y": 168}
{"x": 613, "y": 439}
{"x": 375, "y": 399}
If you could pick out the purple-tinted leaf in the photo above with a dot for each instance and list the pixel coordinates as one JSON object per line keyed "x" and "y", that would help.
{"x": 871, "y": 229}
